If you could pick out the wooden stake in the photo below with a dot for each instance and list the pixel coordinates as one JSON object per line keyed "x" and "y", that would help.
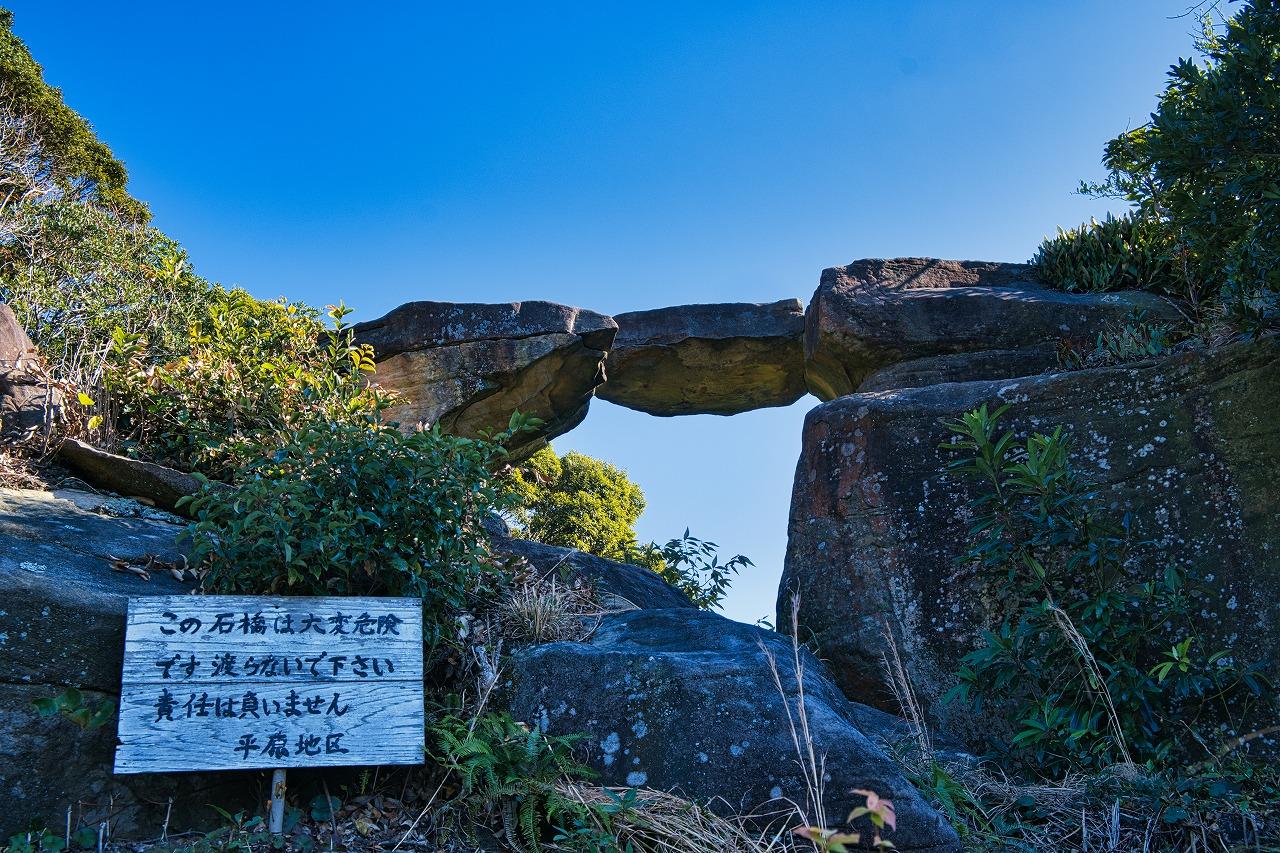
{"x": 276, "y": 824}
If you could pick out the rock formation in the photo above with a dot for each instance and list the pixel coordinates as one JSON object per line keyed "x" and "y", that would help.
{"x": 875, "y": 313}
{"x": 707, "y": 359}
{"x": 467, "y": 367}
{"x": 62, "y": 625}
{"x": 134, "y": 478}
{"x": 28, "y": 403}
{"x": 684, "y": 700}
{"x": 1186, "y": 443}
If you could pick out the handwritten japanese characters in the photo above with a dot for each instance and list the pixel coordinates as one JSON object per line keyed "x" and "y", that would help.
{"x": 241, "y": 682}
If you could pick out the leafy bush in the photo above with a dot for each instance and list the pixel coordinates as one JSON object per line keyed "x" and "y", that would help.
{"x": 176, "y": 370}
{"x": 1093, "y": 664}
{"x": 1134, "y": 339}
{"x": 74, "y": 273}
{"x": 251, "y": 369}
{"x": 1126, "y": 253}
{"x": 1204, "y": 171}
{"x": 339, "y": 508}
{"x": 693, "y": 566}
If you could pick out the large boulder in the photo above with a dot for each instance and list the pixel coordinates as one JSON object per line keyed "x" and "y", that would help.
{"x": 28, "y": 401}
{"x": 1187, "y": 444}
{"x": 468, "y": 366}
{"x": 629, "y": 585}
{"x": 62, "y": 613}
{"x": 874, "y": 313}
{"x": 707, "y": 359}
{"x": 684, "y": 700}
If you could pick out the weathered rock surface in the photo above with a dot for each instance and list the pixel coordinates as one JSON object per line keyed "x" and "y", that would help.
{"x": 962, "y": 367}
{"x": 129, "y": 477}
{"x": 468, "y": 366}
{"x": 707, "y": 359}
{"x": 684, "y": 700}
{"x": 27, "y": 403}
{"x": 1186, "y": 443}
{"x": 62, "y": 613}
{"x": 635, "y": 585}
{"x": 874, "y": 313}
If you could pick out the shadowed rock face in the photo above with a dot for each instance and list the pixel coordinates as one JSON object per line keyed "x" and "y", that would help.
{"x": 707, "y": 359}
{"x": 684, "y": 700}
{"x": 62, "y": 612}
{"x": 27, "y": 404}
{"x": 1186, "y": 443}
{"x": 875, "y": 313}
{"x": 467, "y": 367}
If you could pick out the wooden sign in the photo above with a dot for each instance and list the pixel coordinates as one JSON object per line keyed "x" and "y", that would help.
{"x": 219, "y": 682}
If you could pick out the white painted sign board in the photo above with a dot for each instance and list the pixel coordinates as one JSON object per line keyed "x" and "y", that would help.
{"x": 219, "y": 682}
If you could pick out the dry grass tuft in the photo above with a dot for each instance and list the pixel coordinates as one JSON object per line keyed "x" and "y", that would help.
{"x": 544, "y": 608}
{"x": 665, "y": 823}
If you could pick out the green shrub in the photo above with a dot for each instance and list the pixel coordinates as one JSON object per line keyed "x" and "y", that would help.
{"x": 512, "y": 771}
{"x": 74, "y": 273}
{"x": 1132, "y": 340}
{"x": 1204, "y": 172}
{"x": 1095, "y": 661}
{"x": 341, "y": 508}
{"x": 1125, "y": 253}
{"x": 693, "y": 566}
{"x": 251, "y": 369}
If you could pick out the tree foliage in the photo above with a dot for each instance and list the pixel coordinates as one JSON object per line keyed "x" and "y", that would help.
{"x": 1203, "y": 177}
{"x": 577, "y": 501}
{"x": 80, "y": 164}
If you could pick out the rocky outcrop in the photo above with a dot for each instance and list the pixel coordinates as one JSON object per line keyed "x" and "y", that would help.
{"x": 875, "y": 313}
{"x": 684, "y": 700}
{"x": 133, "y": 478}
{"x": 1186, "y": 443}
{"x": 962, "y": 367}
{"x": 635, "y": 586}
{"x": 707, "y": 359}
{"x": 468, "y": 366}
{"x": 28, "y": 402}
{"x": 62, "y": 613}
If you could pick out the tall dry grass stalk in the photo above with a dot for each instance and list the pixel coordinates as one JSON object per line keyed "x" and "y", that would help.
{"x": 813, "y": 767}
{"x": 904, "y": 694}
{"x": 1096, "y": 679}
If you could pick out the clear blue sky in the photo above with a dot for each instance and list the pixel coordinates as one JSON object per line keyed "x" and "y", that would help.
{"x": 609, "y": 156}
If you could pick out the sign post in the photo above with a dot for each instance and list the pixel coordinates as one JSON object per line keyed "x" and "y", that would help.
{"x": 246, "y": 682}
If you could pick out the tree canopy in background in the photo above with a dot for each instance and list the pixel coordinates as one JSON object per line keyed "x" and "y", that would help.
{"x": 80, "y": 164}
{"x": 576, "y": 501}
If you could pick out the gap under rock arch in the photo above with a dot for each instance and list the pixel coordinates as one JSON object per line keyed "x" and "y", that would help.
{"x": 729, "y": 482}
